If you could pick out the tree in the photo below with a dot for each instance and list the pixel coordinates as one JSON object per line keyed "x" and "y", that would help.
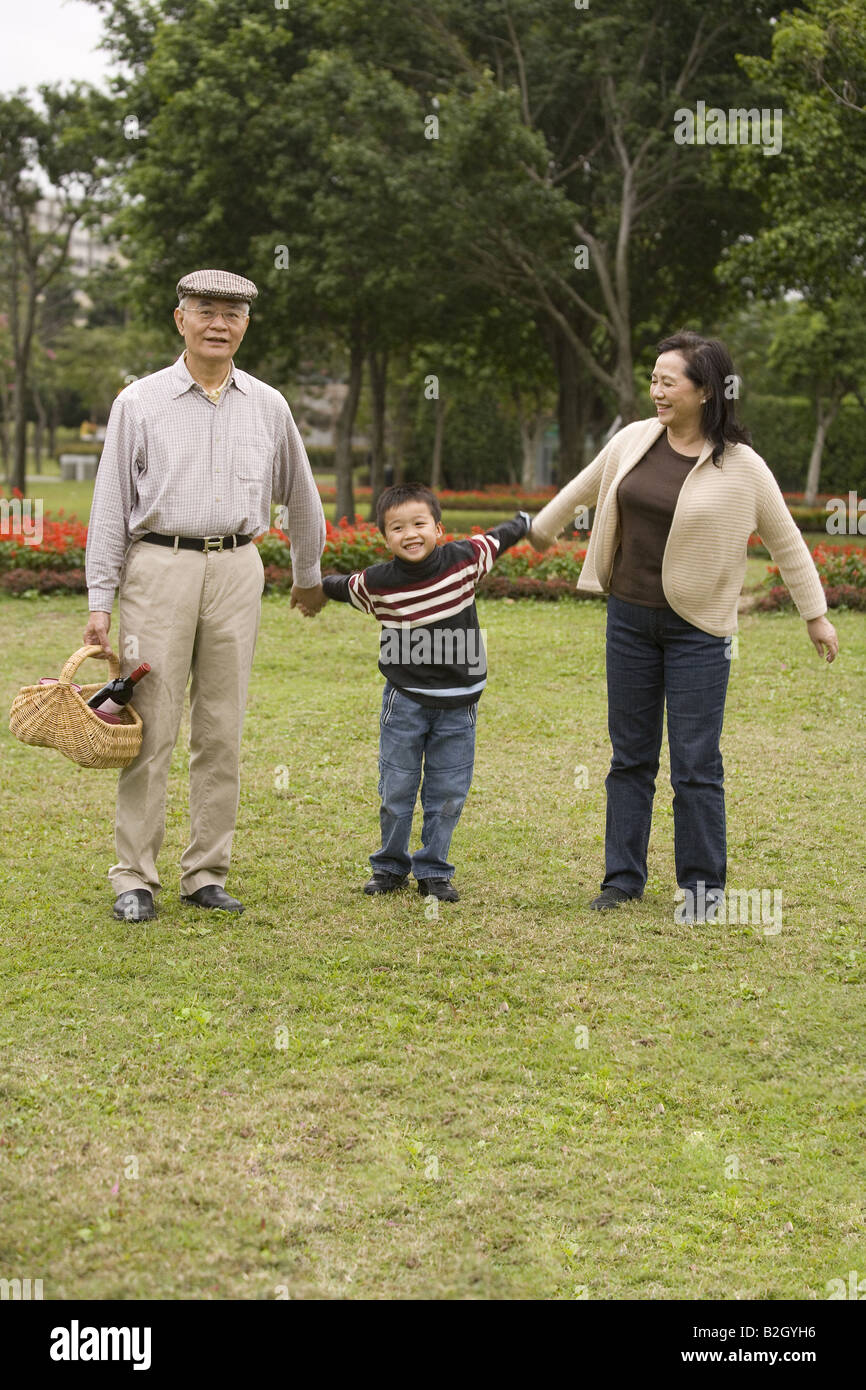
{"x": 327, "y": 226}
{"x": 569, "y": 191}
{"x": 67, "y": 143}
{"x": 551, "y": 133}
{"x": 812, "y": 243}
{"x": 821, "y": 352}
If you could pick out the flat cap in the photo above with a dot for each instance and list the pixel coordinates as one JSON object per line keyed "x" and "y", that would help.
{"x": 217, "y": 284}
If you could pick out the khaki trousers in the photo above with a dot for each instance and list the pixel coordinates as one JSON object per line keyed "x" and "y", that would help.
{"x": 186, "y": 613}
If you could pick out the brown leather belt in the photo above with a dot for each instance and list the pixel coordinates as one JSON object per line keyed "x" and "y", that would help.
{"x": 204, "y": 544}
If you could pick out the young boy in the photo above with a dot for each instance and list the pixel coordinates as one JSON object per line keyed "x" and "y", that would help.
{"x": 435, "y": 668}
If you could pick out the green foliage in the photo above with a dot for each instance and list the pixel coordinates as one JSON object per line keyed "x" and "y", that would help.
{"x": 782, "y": 429}
{"x": 481, "y": 444}
{"x": 813, "y": 192}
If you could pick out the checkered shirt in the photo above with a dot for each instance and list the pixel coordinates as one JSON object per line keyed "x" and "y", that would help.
{"x": 175, "y": 463}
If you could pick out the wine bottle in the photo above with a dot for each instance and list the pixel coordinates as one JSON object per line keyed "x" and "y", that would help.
{"x": 117, "y": 693}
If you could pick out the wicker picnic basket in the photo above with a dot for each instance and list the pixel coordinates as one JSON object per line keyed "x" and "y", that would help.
{"x": 57, "y": 716}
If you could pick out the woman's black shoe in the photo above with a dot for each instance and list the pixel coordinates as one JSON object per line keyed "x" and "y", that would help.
{"x": 612, "y": 897}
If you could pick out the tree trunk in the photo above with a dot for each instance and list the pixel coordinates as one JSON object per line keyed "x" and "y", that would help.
{"x": 22, "y": 343}
{"x": 377, "y": 363}
{"x": 528, "y": 423}
{"x": 569, "y": 410}
{"x": 400, "y": 429}
{"x": 436, "y": 470}
{"x": 344, "y": 429}
{"x": 19, "y": 452}
{"x": 52, "y": 431}
{"x": 824, "y": 420}
{"x": 626, "y": 398}
{"x": 5, "y": 441}
{"x": 39, "y": 430}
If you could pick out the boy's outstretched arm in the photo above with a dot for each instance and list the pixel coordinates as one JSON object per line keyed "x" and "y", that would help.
{"x": 348, "y": 588}
{"x": 499, "y": 539}
{"x": 336, "y": 586}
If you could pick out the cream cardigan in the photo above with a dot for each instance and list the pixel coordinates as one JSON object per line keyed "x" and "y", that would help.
{"x": 705, "y": 557}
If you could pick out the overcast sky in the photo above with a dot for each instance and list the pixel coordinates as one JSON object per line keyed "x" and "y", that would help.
{"x": 50, "y": 41}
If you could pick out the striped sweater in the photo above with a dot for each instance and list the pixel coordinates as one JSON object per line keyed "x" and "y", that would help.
{"x": 431, "y": 646}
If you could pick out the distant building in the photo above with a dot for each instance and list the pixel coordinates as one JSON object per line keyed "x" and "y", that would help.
{"x": 316, "y": 404}
{"x": 89, "y": 248}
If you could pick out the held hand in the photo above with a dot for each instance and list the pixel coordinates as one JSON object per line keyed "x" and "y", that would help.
{"x": 310, "y": 601}
{"x": 823, "y": 634}
{"x": 96, "y": 632}
{"x": 536, "y": 541}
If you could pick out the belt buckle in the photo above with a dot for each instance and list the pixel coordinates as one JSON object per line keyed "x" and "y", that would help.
{"x": 212, "y": 543}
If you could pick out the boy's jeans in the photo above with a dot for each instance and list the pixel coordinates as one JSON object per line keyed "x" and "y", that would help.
{"x": 654, "y": 658}
{"x": 445, "y": 740}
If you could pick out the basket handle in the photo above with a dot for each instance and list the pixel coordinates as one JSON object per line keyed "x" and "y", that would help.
{"x": 82, "y": 654}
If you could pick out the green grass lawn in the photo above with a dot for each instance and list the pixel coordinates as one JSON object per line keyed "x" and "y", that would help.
{"x": 338, "y": 1096}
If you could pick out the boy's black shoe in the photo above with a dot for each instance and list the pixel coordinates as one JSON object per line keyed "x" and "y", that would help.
{"x": 612, "y": 897}
{"x": 383, "y": 882}
{"x": 441, "y": 888}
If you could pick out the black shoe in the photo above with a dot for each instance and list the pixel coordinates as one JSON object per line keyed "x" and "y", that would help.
{"x": 383, "y": 882}
{"x": 441, "y": 888}
{"x": 612, "y": 897}
{"x": 135, "y": 905}
{"x": 213, "y": 896}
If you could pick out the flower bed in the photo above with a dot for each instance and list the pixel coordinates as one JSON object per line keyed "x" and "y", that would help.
{"x": 61, "y": 548}
{"x": 837, "y": 596}
{"x": 843, "y": 574}
{"x": 57, "y": 564}
{"x": 521, "y": 572}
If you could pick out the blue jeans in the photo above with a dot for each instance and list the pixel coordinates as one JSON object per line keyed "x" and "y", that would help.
{"x": 444, "y": 740}
{"x": 655, "y": 657}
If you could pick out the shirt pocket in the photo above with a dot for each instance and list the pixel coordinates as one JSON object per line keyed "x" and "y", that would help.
{"x": 253, "y": 457}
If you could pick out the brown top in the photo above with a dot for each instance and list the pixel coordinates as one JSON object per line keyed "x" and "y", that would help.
{"x": 647, "y": 497}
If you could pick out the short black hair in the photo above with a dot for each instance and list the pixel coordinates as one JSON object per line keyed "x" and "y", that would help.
{"x": 709, "y": 365}
{"x": 406, "y": 492}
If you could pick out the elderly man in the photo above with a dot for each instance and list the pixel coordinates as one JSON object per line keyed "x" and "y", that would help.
{"x": 193, "y": 457}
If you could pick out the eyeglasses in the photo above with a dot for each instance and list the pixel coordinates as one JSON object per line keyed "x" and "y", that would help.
{"x": 230, "y": 315}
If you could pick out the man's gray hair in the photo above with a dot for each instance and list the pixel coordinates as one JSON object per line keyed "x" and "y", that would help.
{"x": 241, "y": 303}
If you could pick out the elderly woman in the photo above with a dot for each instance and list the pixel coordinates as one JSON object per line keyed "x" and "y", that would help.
{"x": 677, "y": 498}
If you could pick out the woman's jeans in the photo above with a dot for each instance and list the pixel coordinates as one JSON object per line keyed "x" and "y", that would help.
{"x": 654, "y": 656}
{"x": 444, "y": 739}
